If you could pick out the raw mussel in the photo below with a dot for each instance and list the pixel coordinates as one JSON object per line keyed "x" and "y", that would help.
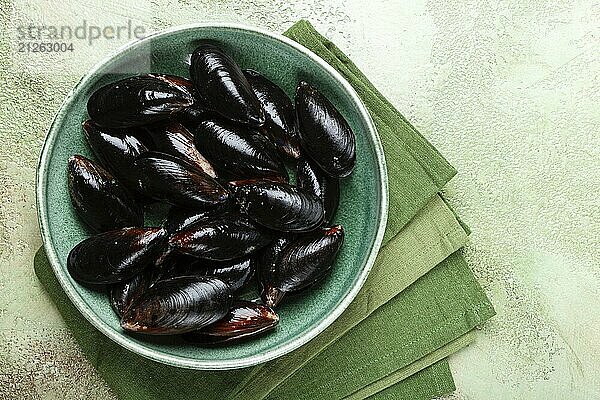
{"x": 181, "y": 219}
{"x": 222, "y": 238}
{"x": 178, "y": 305}
{"x": 167, "y": 178}
{"x": 115, "y": 256}
{"x": 302, "y": 263}
{"x": 238, "y": 151}
{"x": 222, "y": 86}
{"x": 123, "y": 294}
{"x": 324, "y": 133}
{"x": 310, "y": 178}
{"x": 99, "y": 200}
{"x": 235, "y": 273}
{"x": 139, "y": 100}
{"x": 279, "y": 206}
{"x": 116, "y": 149}
{"x": 245, "y": 319}
{"x": 280, "y": 125}
{"x": 173, "y": 138}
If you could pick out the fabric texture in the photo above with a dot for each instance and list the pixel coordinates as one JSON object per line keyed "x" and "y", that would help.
{"x": 422, "y": 231}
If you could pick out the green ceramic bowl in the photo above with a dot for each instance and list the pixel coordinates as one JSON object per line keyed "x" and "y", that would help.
{"x": 362, "y": 211}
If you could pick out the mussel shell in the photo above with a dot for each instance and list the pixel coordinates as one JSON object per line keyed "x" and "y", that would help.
{"x": 324, "y": 133}
{"x": 116, "y": 149}
{"x": 310, "y": 178}
{"x": 99, "y": 200}
{"x": 238, "y": 151}
{"x": 123, "y": 294}
{"x": 115, "y": 256}
{"x": 280, "y": 125}
{"x": 235, "y": 273}
{"x": 224, "y": 238}
{"x": 245, "y": 319}
{"x": 222, "y": 86}
{"x": 180, "y": 219}
{"x": 269, "y": 256}
{"x": 178, "y": 305}
{"x": 173, "y": 138}
{"x": 138, "y": 100}
{"x": 280, "y": 206}
{"x": 302, "y": 263}
{"x": 167, "y": 178}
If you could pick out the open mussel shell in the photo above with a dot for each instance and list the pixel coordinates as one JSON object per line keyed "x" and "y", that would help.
{"x": 116, "y": 149}
{"x": 303, "y": 262}
{"x": 178, "y": 305}
{"x": 280, "y": 125}
{"x": 168, "y": 178}
{"x": 221, "y": 85}
{"x": 123, "y": 294}
{"x": 310, "y": 178}
{"x": 235, "y": 273}
{"x": 173, "y": 138}
{"x": 222, "y": 238}
{"x": 139, "y": 100}
{"x": 279, "y": 206}
{"x": 325, "y": 135}
{"x": 245, "y": 319}
{"x": 115, "y": 256}
{"x": 238, "y": 151}
{"x": 99, "y": 200}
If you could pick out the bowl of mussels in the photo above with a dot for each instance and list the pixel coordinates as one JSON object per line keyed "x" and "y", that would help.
{"x": 212, "y": 197}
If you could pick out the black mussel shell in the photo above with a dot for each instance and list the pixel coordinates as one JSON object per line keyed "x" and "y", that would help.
{"x": 123, "y": 294}
{"x": 280, "y": 206}
{"x": 115, "y": 256}
{"x": 222, "y": 86}
{"x": 116, "y": 149}
{"x": 310, "y": 178}
{"x": 180, "y": 219}
{"x": 224, "y": 238}
{"x": 280, "y": 125}
{"x": 238, "y": 151}
{"x": 167, "y": 178}
{"x": 99, "y": 200}
{"x": 173, "y": 138}
{"x": 139, "y": 100}
{"x": 178, "y": 305}
{"x": 269, "y": 256}
{"x": 236, "y": 273}
{"x": 245, "y": 319}
{"x": 324, "y": 133}
{"x": 302, "y": 263}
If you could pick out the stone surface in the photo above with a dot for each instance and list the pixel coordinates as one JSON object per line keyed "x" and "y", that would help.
{"x": 507, "y": 90}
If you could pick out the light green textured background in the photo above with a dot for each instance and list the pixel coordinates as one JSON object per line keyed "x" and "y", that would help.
{"x": 507, "y": 90}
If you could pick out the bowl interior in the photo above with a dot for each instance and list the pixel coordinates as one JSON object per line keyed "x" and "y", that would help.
{"x": 360, "y": 211}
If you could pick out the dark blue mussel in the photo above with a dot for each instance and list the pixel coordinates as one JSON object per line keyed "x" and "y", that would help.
{"x": 223, "y": 238}
{"x": 222, "y": 86}
{"x": 178, "y": 305}
{"x": 167, "y": 178}
{"x": 180, "y": 218}
{"x": 173, "y": 138}
{"x": 116, "y": 149}
{"x": 99, "y": 200}
{"x": 310, "y": 178}
{"x": 302, "y": 262}
{"x": 245, "y": 319}
{"x": 115, "y": 256}
{"x": 139, "y": 100}
{"x": 280, "y": 125}
{"x": 123, "y": 294}
{"x": 325, "y": 135}
{"x": 238, "y": 151}
{"x": 278, "y": 205}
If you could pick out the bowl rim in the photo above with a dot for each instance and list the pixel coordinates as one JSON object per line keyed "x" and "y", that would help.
{"x": 184, "y": 362}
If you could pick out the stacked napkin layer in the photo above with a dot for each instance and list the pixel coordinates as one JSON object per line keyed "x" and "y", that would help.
{"x": 419, "y": 304}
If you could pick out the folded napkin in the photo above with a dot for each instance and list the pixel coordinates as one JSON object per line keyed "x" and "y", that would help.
{"x": 416, "y": 173}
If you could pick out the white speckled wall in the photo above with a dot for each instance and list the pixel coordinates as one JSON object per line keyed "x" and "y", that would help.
{"x": 507, "y": 90}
